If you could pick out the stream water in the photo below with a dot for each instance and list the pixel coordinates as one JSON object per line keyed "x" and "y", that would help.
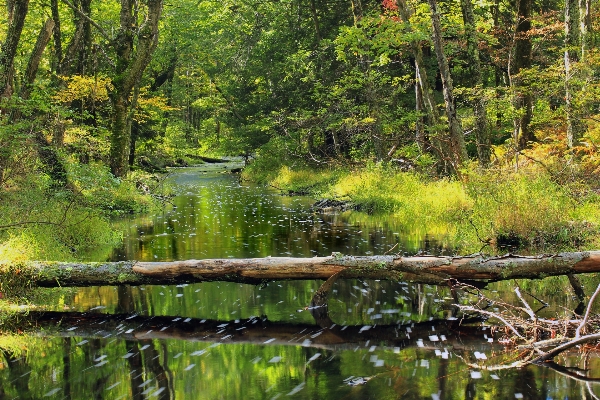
{"x": 215, "y": 340}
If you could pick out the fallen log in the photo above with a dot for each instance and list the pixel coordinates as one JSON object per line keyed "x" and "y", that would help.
{"x": 419, "y": 269}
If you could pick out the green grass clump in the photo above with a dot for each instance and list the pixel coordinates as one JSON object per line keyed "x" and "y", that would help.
{"x": 305, "y": 181}
{"x": 530, "y": 210}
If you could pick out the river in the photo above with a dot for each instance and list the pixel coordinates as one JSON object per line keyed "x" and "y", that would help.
{"x": 216, "y": 340}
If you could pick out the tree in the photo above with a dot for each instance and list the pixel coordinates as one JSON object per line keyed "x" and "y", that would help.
{"x": 521, "y": 60}
{"x": 482, "y": 130}
{"x": 455, "y": 149}
{"x": 134, "y": 46}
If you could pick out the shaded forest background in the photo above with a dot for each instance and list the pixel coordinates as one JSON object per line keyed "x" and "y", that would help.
{"x": 96, "y": 94}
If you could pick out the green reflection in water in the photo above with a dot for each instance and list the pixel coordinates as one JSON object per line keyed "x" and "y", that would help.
{"x": 79, "y": 368}
{"x": 213, "y": 216}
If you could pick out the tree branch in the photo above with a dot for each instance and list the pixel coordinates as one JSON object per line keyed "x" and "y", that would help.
{"x": 87, "y": 18}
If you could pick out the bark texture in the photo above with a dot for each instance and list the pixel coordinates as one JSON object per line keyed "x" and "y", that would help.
{"x": 17, "y": 12}
{"x": 420, "y": 269}
{"x": 482, "y": 130}
{"x": 522, "y": 99}
{"x": 131, "y": 64}
{"x": 454, "y": 150}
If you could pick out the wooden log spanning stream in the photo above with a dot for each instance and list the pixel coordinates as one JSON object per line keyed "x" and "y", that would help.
{"x": 418, "y": 269}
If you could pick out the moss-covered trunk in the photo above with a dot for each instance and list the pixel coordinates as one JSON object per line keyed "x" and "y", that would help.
{"x": 423, "y": 269}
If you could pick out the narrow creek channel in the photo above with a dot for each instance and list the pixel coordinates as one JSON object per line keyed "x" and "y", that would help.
{"x": 216, "y": 340}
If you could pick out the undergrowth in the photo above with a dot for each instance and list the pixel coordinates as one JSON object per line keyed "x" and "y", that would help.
{"x": 39, "y": 222}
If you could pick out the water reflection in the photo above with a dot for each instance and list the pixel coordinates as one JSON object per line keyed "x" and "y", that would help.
{"x": 214, "y": 216}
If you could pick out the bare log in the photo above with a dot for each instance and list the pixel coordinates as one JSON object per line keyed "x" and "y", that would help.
{"x": 420, "y": 269}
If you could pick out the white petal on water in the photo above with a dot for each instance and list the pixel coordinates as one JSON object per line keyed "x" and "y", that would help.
{"x": 373, "y": 358}
{"x": 396, "y": 350}
{"x": 72, "y": 329}
{"x": 476, "y": 374}
{"x": 424, "y": 363}
{"x": 82, "y": 342}
{"x": 443, "y": 337}
{"x": 297, "y": 389}
{"x": 438, "y": 352}
{"x": 145, "y": 392}
{"x": 379, "y": 363}
{"x": 159, "y": 391}
{"x": 113, "y": 385}
{"x": 372, "y": 349}
{"x": 102, "y": 357}
{"x": 178, "y": 295}
{"x": 189, "y": 367}
{"x": 128, "y": 355}
{"x": 408, "y": 329}
{"x": 222, "y": 325}
{"x": 269, "y": 341}
{"x": 364, "y": 328}
{"x": 144, "y": 347}
{"x": 129, "y": 331}
{"x": 306, "y": 343}
{"x": 275, "y": 359}
{"x": 198, "y": 353}
{"x": 434, "y": 338}
{"x": 518, "y": 395}
{"x": 177, "y": 355}
{"x": 141, "y": 385}
{"x": 52, "y": 392}
{"x": 494, "y": 376}
{"x": 480, "y": 356}
{"x": 187, "y": 320}
{"x": 255, "y": 360}
{"x": 420, "y": 343}
{"x": 313, "y": 358}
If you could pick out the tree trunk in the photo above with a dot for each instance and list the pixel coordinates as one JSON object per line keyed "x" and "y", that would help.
{"x": 572, "y": 46}
{"x": 424, "y": 269}
{"x": 455, "y": 149}
{"x": 130, "y": 67}
{"x": 585, "y": 26}
{"x": 58, "y": 51}
{"x": 76, "y": 57}
{"x": 17, "y": 13}
{"x": 35, "y": 58}
{"x": 423, "y": 90}
{"x": 482, "y": 130}
{"x": 522, "y": 99}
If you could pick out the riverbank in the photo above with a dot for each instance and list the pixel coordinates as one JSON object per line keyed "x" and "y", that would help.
{"x": 493, "y": 210}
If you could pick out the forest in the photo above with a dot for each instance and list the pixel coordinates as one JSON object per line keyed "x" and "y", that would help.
{"x": 460, "y": 130}
{"x": 479, "y": 114}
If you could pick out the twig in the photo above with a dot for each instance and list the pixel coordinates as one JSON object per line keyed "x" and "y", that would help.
{"x": 587, "y": 312}
{"x": 559, "y": 349}
{"x": 527, "y": 308}
{"x": 491, "y": 314}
